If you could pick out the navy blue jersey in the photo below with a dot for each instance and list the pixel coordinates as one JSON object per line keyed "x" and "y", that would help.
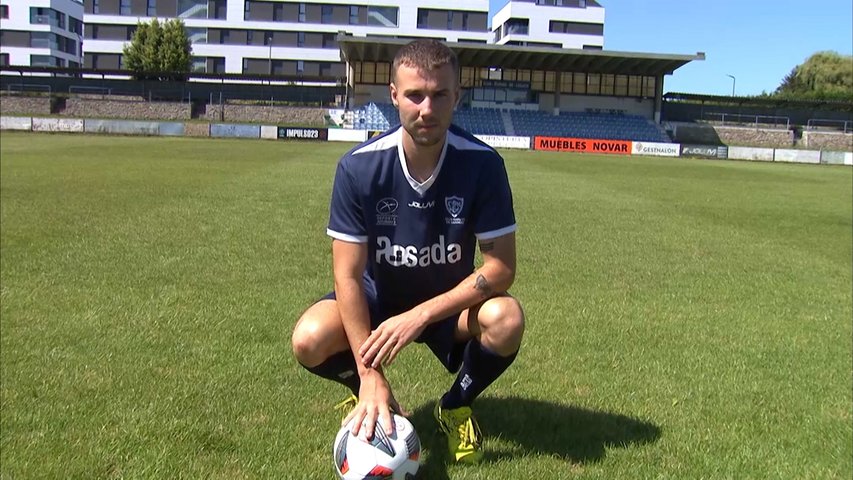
{"x": 421, "y": 237}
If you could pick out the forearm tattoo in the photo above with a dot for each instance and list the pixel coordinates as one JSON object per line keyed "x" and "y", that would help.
{"x": 482, "y": 285}
{"x": 487, "y": 246}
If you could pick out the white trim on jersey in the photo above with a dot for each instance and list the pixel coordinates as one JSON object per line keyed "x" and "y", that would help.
{"x": 496, "y": 233}
{"x": 461, "y": 143}
{"x": 345, "y": 237}
{"x": 417, "y": 186}
{"x": 384, "y": 143}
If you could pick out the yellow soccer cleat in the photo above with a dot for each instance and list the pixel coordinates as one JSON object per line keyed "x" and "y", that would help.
{"x": 347, "y": 405}
{"x": 464, "y": 439}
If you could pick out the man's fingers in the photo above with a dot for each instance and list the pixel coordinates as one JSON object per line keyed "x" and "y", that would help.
{"x": 370, "y": 423}
{"x": 387, "y": 424}
{"x": 358, "y": 414}
{"x": 387, "y": 347}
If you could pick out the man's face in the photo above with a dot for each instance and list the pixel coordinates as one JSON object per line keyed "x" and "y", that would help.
{"x": 426, "y": 100}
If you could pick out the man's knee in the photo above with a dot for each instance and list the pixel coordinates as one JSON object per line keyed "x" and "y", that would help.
{"x": 502, "y": 321}
{"x": 305, "y": 341}
{"x": 316, "y": 335}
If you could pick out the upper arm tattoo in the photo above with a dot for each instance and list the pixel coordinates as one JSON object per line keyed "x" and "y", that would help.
{"x": 482, "y": 285}
{"x": 487, "y": 246}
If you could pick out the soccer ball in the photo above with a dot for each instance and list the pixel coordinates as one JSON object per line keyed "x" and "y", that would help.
{"x": 393, "y": 457}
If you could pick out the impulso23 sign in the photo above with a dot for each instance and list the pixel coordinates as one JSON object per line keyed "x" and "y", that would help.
{"x": 562, "y": 144}
{"x": 296, "y": 133}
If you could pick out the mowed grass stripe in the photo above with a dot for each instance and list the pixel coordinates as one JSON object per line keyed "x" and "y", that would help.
{"x": 686, "y": 318}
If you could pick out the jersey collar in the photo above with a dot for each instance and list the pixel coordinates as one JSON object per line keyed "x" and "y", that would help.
{"x": 417, "y": 186}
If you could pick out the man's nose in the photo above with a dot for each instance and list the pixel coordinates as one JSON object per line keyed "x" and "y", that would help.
{"x": 426, "y": 106}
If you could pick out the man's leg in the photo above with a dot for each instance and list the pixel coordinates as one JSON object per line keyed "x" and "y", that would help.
{"x": 494, "y": 329}
{"x": 320, "y": 345}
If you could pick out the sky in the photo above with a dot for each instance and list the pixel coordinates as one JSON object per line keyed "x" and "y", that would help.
{"x": 756, "y": 41}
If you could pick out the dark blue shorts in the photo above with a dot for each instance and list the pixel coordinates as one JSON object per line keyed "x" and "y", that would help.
{"x": 437, "y": 336}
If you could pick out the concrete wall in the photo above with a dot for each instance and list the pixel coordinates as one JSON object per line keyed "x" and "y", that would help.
{"x": 21, "y": 104}
{"x": 266, "y": 114}
{"x": 80, "y": 107}
{"x": 752, "y": 137}
{"x": 842, "y": 142}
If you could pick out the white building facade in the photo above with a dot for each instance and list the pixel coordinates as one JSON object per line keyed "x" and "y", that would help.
{"x": 281, "y": 37}
{"x": 550, "y": 23}
{"x": 278, "y": 37}
{"x": 41, "y": 33}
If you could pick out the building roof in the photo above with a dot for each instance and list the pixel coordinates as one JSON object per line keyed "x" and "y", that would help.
{"x": 372, "y": 49}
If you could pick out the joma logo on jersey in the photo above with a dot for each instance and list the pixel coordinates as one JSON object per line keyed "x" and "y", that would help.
{"x": 422, "y": 205}
{"x": 438, "y": 253}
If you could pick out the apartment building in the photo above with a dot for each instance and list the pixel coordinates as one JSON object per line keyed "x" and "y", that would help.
{"x": 278, "y": 37}
{"x": 550, "y": 23}
{"x": 46, "y": 33}
{"x": 282, "y": 37}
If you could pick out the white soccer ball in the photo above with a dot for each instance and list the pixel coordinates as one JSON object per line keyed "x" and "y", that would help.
{"x": 395, "y": 456}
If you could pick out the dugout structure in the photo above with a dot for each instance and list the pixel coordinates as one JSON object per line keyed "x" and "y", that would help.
{"x": 525, "y": 78}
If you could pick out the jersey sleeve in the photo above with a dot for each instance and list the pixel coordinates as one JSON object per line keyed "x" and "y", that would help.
{"x": 494, "y": 215}
{"x": 346, "y": 216}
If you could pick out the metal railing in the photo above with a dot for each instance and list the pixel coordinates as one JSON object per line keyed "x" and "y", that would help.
{"x": 845, "y": 126}
{"x": 27, "y": 87}
{"x": 90, "y": 90}
{"x": 757, "y": 121}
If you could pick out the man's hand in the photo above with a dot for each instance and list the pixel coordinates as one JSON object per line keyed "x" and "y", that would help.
{"x": 384, "y": 343}
{"x": 375, "y": 402}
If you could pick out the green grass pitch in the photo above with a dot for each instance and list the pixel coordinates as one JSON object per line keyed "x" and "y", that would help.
{"x": 685, "y": 318}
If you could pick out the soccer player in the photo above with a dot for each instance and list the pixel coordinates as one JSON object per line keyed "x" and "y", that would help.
{"x": 408, "y": 209}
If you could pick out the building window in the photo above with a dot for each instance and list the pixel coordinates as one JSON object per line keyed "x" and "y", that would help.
{"x": 301, "y": 13}
{"x": 382, "y": 16}
{"x": 326, "y": 14}
{"x": 353, "y": 15}
{"x": 300, "y": 39}
{"x": 152, "y": 8}
{"x": 582, "y": 3}
{"x": 250, "y": 35}
{"x": 43, "y": 61}
{"x": 300, "y": 66}
{"x": 329, "y": 40}
{"x": 199, "y": 64}
{"x": 247, "y": 10}
{"x": 124, "y": 8}
{"x": 217, "y": 64}
{"x": 423, "y": 16}
{"x": 4, "y": 13}
{"x": 223, "y": 36}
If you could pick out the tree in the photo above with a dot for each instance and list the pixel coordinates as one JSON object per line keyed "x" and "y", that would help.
{"x": 823, "y": 76}
{"x": 159, "y": 51}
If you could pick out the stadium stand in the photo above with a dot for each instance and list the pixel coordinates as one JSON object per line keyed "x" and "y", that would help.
{"x": 488, "y": 121}
{"x": 587, "y": 125}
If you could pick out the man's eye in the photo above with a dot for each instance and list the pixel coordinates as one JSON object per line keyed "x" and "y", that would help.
{"x": 416, "y": 98}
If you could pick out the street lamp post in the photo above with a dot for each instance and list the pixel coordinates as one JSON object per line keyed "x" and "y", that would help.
{"x": 269, "y": 39}
{"x": 733, "y": 83}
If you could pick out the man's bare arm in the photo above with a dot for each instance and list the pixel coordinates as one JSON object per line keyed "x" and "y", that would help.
{"x": 495, "y": 276}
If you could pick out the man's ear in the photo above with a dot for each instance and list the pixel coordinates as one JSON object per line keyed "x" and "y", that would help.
{"x": 393, "y": 91}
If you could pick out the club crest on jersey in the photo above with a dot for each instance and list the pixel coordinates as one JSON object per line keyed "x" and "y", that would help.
{"x": 454, "y": 208}
{"x": 386, "y": 211}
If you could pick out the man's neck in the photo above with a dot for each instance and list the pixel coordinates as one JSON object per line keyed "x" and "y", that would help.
{"x": 420, "y": 160}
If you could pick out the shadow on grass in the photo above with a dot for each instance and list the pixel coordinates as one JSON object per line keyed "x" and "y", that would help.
{"x": 577, "y": 435}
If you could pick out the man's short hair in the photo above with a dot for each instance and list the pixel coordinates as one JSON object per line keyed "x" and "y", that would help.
{"x": 426, "y": 55}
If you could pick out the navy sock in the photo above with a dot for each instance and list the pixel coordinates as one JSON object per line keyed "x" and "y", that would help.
{"x": 341, "y": 368}
{"x": 480, "y": 368}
